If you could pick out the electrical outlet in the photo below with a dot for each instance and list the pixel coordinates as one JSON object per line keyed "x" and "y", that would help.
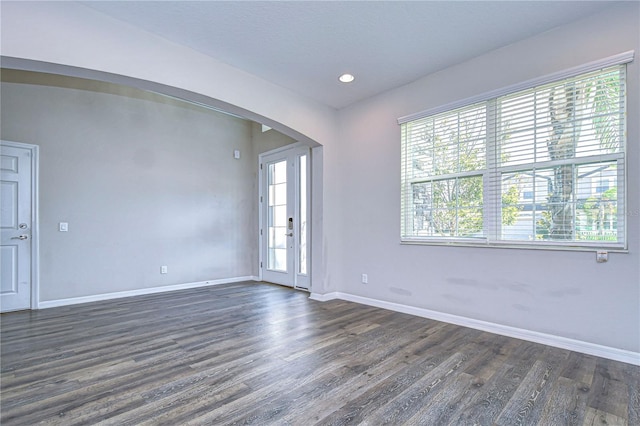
{"x": 365, "y": 278}
{"x": 164, "y": 269}
{"x": 602, "y": 256}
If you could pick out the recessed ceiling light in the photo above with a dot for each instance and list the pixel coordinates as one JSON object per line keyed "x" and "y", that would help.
{"x": 346, "y": 78}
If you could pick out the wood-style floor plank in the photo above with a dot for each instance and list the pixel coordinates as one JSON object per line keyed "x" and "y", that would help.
{"x": 261, "y": 354}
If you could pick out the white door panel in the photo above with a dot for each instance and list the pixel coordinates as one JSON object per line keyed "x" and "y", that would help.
{"x": 15, "y": 227}
{"x": 285, "y": 211}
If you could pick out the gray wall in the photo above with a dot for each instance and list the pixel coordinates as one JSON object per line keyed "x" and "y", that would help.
{"x": 562, "y": 293}
{"x": 142, "y": 180}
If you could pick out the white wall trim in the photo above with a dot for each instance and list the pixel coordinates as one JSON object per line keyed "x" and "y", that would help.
{"x": 615, "y": 354}
{"x": 139, "y": 292}
{"x": 325, "y": 297}
{"x": 283, "y": 149}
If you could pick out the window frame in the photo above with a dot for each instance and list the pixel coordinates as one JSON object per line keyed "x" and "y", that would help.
{"x": 491, "y": 226}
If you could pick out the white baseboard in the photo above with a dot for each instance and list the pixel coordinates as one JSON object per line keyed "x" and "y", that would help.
{"x": 615, "y": 354}
{"x": 324, "y": 297}
{"x": 139, "y": 292}
{"x": 518, "y": 333}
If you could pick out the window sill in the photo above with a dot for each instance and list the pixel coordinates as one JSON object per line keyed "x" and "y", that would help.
{"x": 519, "y": 246}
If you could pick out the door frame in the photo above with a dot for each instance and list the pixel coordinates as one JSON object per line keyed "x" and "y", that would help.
{"x": 35, "y": 219}
{"x": 262, "y": 196}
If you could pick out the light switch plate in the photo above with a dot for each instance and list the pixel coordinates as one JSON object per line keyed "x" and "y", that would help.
{"x": 63, "y": 227}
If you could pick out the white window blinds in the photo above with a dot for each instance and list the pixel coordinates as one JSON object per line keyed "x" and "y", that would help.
{"x": 541, "y": 166}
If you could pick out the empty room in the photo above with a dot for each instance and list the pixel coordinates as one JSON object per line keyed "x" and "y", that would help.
{"x": 320, "y": 212}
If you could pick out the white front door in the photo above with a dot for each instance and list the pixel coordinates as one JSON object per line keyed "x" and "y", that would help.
{"x": 15, "y": 227}
{"x": 284, "y": 229}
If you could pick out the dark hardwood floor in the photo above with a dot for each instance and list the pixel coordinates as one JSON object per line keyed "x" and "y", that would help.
{"x": 261, "y": 354}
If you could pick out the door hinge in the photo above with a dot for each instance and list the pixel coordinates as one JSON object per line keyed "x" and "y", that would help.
{"x": 261, "y": 264}
{"x": 260, "y": 166}
{"x": 261, "y": 198}
{"x": 261, "y": 232}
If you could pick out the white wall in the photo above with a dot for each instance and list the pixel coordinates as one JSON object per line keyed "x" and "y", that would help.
{"x": 556, "y": 292}
{"x": 142, "y": 180}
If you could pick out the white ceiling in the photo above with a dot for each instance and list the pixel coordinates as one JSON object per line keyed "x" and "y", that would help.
{"x": 306, "y": 45}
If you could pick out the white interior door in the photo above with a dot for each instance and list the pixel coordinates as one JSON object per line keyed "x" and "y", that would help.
{"x": 15, "y": 227}
{"x": 284, "y": 231}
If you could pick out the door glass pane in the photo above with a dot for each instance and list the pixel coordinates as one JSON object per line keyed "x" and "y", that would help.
{"x": 277, "y": 259}
{"x": 302, "y": 232}
{"x": 277, "y": 216}
{"x": 280, "y": 216}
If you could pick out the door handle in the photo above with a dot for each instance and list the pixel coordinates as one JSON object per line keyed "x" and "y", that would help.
{"x": 21, "y": 237}
{"x": 290, "y": 234}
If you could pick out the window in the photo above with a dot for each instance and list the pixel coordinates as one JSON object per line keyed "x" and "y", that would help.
{"x": 542, "y": 166}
